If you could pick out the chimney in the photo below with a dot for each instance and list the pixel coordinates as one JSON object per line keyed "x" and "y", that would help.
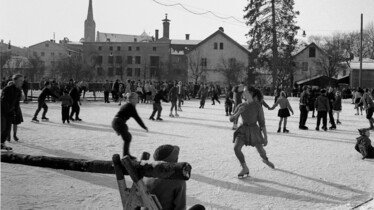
{"x": 166, "y": 26}
{"x": 2, "y": 41}
{"x": 221, "y": 29}
{"x": 156, "y": 34}
{"x": 187, "y": 36}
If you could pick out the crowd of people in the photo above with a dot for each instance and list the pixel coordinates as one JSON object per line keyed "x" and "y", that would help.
{"x": 240, "y": 101}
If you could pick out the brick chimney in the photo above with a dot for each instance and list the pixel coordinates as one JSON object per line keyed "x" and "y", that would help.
{"x": 221, "y": 29}
{"x": 156, "y": 34}
{"x": 187, "y": 36}
{"x": 166, "y": 26}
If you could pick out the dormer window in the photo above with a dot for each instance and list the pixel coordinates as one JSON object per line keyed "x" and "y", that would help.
{"x": 312, "y": 52}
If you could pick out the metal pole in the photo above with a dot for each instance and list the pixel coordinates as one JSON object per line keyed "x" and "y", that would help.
{"x": 360, "y": 73}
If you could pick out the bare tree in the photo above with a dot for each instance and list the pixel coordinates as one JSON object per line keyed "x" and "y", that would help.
{"x": 195, "y": 65}
{"x": 232, "y": 70}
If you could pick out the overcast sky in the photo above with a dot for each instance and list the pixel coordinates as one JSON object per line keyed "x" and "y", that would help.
{"x": 27, "y": 22}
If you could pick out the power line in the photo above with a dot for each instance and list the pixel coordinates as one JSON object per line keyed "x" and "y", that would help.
{"x": 199, "y": 13}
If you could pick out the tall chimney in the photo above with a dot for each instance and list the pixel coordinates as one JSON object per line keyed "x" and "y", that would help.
{"x": 221, "y": 29}
{"x": 166, "y": 26}
{"x": 187, "y": 36}
{"x": 156, "y": 34}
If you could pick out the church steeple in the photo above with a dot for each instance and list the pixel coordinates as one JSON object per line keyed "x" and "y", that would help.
{"x": 89, "y": 25}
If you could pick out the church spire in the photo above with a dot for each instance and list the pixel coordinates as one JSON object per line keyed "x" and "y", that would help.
{"x": 89, "y": 25}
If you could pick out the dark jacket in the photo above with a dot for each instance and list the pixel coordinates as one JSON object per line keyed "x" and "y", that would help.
{"x": 46, "y": 92}
{"x": 337, "y": 104}
{"x": 74, "y": 94}
{"x": 322, "y": 103}
{"x": 160, "y": 96}
{"x": 9, "y": 101}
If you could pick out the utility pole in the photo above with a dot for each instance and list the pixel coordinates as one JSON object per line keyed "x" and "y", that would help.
{"x": 275, "y": 47}
{"x": 360, "y": 73}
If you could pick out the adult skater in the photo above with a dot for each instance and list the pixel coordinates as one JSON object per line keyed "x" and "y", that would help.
{"x": 41, "y": 102}
{"x": 173, "y": 97}
{"x": 237, "y": 95}
{"x": 157, "y": 103}
{"x": 323, "y": 107}
{"x": 8, "y": 106}
{"x": 75, "y": 109}
{"x": 304, "y": 108}
{"x": 331, "y": 97}
{"x": 203, "y": 92}
{"x": 284, "y": 111}
{"x": 249, "y": 133}
{"x": 369, "y": 107}
{"x": 17, "y": 118}
{"x": 119, "y": 122}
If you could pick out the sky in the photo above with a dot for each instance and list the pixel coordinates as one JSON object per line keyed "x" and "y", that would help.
{"x": 28, "y": 22}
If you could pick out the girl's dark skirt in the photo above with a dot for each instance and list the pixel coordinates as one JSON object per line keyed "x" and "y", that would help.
{"x": 284, "y": 112}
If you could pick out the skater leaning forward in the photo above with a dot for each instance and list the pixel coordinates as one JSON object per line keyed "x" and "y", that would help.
{"x": 41, "y": 102}
{"x": 119, "y": 122}
{"x": 249, "y": 133}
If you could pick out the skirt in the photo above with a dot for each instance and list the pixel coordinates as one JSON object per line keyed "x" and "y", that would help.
{"x": 284, "y": 112}
{"x": 249, "y": 134}
{"x": 17, "y": 118}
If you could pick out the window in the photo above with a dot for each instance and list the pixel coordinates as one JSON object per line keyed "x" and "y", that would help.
{"x": 110, "y": 59}
{"x": 137, "y": 59}
{"x": 129, "y": 72}
{"x": 137, "y": 48}
{"x": 99, "y": 60}
{"x": 137, "y": 72}
{"x": 312, "y": 52}
{"x": 203, "y": 62}
{"x": 118, "y": 48}
{"x": 154, "y": 48}
{"x": 99, "y": 71}
{"x": 221, "y": 46}
{"x": 100, "y": 48}
{"x": 110, "y": 71}
{"x": 129, "y": 48}
{"x": 52, "y": 54}
{"x": 35, "y": 53}
{"x": 305, "y": 66}
{"x": 129, "y": 59}
{"x": 155, "y": 61}
{"x": 119, "y": 71}
{"x": 215, "y": 45}
{"x": 42, "y": 54}
{"x": 111, "y": 48}
{"x": 46, "y": 45}
{"x": 118, "y": 59}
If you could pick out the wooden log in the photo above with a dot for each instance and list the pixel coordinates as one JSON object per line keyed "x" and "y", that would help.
{"x": 162, "y": 170}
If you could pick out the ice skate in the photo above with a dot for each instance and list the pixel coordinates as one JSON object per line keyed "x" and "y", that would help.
{"x": 5, "y": 148}
{"x": 78, "y": 119}
{"x": 159, "y": 119}
{"x": 45, "y": 119}
{"x": 317, "y": 128}
{"x": 338, "y": 122}
{"x": 279, "y": 130}
{"x": 15, "y": 138}
{"x": 151, "y": 118}
{"x": 332, "y": 128}
{"x": 34, "y": 120}
{"x": 176, "y": 115}
{"x": 268, "y": 163}
{"x": 285, "y": 130}
{"x": 171, "y": 115}
{"x": 244, "y": 172}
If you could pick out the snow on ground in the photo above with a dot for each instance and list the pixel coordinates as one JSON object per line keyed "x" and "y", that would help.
{"x": 314, "y": 170}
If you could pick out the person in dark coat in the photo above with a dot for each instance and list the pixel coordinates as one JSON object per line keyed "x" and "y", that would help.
{"x": 157, "y": 103}
{"x": 304, "y": 108}
{"x": 75, "y": 109}
{"x": 17, "y": 118}
{"x": 41, "y": 102}
{"x": 331, "y": 97}
{"x": 8, "y": 107}
{"x": 323, "y": 107}
{"x": 25, "y": 89}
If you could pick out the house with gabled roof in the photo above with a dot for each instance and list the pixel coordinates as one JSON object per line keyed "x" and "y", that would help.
{"x": 214, "y": 54}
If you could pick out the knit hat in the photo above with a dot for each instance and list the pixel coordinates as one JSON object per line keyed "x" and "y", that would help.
{"x": 167, "y": 153}
{"x": 362, "y": 131}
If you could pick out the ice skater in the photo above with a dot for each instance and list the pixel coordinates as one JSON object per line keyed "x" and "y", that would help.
{"x": 337, "y": 106}
{"x": 119, "y": 122}
{"x": 249, "y": 133}
{"x": 369, "y": 107}
{"x": 41, "y": 102}
{"x": 284, "y": 111}
{"x": 203, "y": 92}
{"x": 173, "y": 97}
{"x": 157, "y": 103}
{"x": 323, "y": 107}
{"x": 66, "y": 103}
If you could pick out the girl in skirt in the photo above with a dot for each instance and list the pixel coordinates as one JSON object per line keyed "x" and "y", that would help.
{"x": 337, "y": 106}
{"x": 252, "y": 132}
{"x": 119, "y": 122}
{"x": 283, "y": 112}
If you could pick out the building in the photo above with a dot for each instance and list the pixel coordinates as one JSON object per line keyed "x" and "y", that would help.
{"x": 213, "y": 56}
{"x": 306, "y": 62}
{"x": 367, "y": 74}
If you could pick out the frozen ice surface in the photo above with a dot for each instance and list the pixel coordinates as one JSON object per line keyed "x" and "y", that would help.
{"x": 314, "y": 169}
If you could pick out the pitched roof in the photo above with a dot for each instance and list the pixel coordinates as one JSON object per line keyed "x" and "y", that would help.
{"x": 49, "y": 42}
{"x": 306, "y": 47}
{"x": 184, "y": 42}
{"x": 17, "y": 62}
{"x": 103, "y": 37}
{"x": 224, "y": 35}
{"x": 366, "y": 66}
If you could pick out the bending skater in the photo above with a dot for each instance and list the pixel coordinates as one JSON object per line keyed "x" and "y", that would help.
{"x": 249, "y": 133}
{"x": 157, "y": 103}
{"x": 119, "y": 122}
{"x": 41, "y": 102}
{"x": 283, "y": 112}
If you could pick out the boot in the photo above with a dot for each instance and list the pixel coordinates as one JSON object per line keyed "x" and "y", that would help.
{"x": 244, "y": 171}
{"x": 268, "y": 163}
{"x": 279, "y": 130}
{"x": 285, "y": 130}
{"x": 338, "y": 122}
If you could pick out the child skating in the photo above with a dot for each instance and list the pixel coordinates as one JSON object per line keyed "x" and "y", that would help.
{"x": 119, "y": 122}
{"x": 66, "y": 103}
{"x": 337, "y": 106}
{"x": 284, "y": 111}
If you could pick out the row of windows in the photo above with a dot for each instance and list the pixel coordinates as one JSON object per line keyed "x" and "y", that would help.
{"x": 129, "y": 48}
{"x": 130, "y": 72}
{"x": 216, "y": 46}
{"x": 118, "y": 59}
{"x": 43, "y": 53}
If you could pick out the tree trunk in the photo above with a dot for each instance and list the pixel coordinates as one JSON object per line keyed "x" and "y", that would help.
{"x": 274, "y": 47}
{"x": 162, "y": 170}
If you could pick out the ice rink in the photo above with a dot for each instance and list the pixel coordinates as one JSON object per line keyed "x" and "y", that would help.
{"x": 314, "y": 169}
